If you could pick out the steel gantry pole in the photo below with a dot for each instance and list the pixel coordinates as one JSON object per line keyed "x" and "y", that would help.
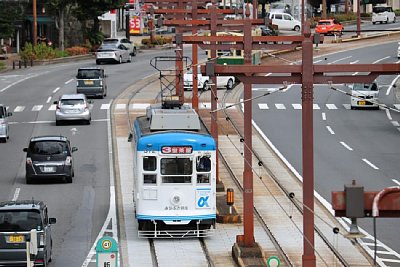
{"x": 195, "y": 95}
{"x": 308, "y": 259}
{"x": 248, "y": 197}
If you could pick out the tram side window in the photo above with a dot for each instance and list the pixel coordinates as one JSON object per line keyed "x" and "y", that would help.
{"x": 203, "y": 164}
{"x": 149, "y": 164}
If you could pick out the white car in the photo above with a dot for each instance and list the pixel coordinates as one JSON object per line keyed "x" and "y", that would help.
{"x": 120, "y": 40}
{"x": 383, "y": 14}
{"x": 398, "y": 51}
{"x": 364, "y": 95}
{"x": 4, "y": 128}
{"x": 204, "y": 82}
{"x": 285, "y": 21}
{"x": 112, "y": 53}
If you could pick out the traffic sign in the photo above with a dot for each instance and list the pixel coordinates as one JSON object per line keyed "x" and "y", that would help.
{"x": 107, "y": 252}
{"x": 273, "y": 261}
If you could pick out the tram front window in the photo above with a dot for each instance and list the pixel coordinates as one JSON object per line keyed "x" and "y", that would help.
{"x": 176, "y": 170}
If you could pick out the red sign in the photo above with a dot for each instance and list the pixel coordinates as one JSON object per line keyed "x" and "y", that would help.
{"x": 134, "y": 25}
{"x": 176, "y": 150}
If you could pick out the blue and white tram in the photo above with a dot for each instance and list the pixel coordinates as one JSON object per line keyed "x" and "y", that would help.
{"x": 175, "y": 175}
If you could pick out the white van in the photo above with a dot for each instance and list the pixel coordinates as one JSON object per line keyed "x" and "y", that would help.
{"x": 204, "y": 82}
{"x": 4, "y": 128}
{"x": 364, "y": 95}
{"x": 285, "y": 21}
{"x": 383, "y": 14}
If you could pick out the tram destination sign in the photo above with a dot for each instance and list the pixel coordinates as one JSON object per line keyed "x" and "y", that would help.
{"x": 176, "y": 150}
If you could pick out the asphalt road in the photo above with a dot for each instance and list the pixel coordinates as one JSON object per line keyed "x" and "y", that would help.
{"x": 361, "y": 145}
{"x": 81, "y": 207}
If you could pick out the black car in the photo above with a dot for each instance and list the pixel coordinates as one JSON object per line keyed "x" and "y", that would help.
{"x": 268, "y": 31}
{"x": 49, "y": 157}
{"x": 92, "y": 82}
{"x": 17, "y": 219}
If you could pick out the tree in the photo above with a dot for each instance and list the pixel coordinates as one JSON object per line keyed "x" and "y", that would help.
{"x": 10, "y": 13}
{"x": 89, "y": 11}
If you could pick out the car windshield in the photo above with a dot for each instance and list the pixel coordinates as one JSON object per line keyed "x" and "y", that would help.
{"x": 109, "y": 46}
{"x": 365, "y": 87}
{"x": 88, "y": 74}
{"x": 110, "y": 41}
{"x": 380, "y": 9}
{"x": 48, "y": 147}
{"x": 324, "y": 22}
{"x": 20, "y": 220}
{"x": 71, "y": 102}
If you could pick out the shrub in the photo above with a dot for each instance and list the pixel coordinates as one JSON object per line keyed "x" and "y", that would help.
{"x": 42, "y": 51}
{"x": 27, "y": 52}
{"x": 2, "y": 65}
{"x": 397, "y": 12}
{"x": 346, "y": 17}
{"x": 77, "y": 50}
{"x": 145, "y": 41}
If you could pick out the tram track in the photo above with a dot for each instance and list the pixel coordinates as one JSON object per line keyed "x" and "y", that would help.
{"x": 258, "y": 215}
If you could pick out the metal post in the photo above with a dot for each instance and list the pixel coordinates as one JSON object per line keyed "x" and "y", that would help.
{"x": 214, "y": 93}
{"x": 195, "y": 97}
{"x": 308, "y": 259}
{"x": 358, "y": 19}
{"x": 248, "y": 198}
{"x": 179, "y": 62}
{"x": 127, "y": 24}
{"x": 34, "y": 26}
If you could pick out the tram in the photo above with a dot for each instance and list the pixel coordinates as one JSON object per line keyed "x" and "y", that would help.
{"x": 174, "y": 174}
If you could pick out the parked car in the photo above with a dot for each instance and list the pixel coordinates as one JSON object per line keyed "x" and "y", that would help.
{"x": 17, "y": 219}
{"x": 122, "y": 40}
{"x": 398, "y": 50}
{"x": 73, "y": 107}
{"x": 4, "y": 127}
{"x": 91, "y": 81}
{"x": 383, "y": 14}
{"x": 49, "y": 157}
{"x": 364, "y": 95}
{"x": 204, "y": 82}
{"x": 284, "y": 21}
{"x": 113, "y": 53}
{"x": 267, "y": 31}
{"x": 329, "y": 26}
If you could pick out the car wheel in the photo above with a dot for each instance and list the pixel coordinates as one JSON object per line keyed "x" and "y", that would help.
{"x": 28, "y": 180}
{"x": 387, "y": 21}
{"x": 374, "y": 22}
{"x": 130, "y": 59}
{"x": 206, "y": 86}
{"x": 297, "y": 28}
{"x": 68, "y": 179}
{"x": 351, "y": 107}
{"x": 3, "y": 140}
{"x": 394, "y": 20}
{"x": 120, "y": 60}
{"x": 88, "y": 121}
{"x": 229, "y": 85}
{"x": 134, "y": 52}
{"x": 58, "y": 123}
{"x": 98, "y": 62}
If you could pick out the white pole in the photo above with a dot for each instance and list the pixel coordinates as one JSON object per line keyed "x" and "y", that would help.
{"x": 28, "y": 254}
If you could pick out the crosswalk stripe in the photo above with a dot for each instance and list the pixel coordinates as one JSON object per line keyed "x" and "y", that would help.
{"x": 105, "y": 106}
{"x": 139, "y": 106}
{"x": 280, "y": 106}
{"x": 397, "y": 106}
{"x": 316, "y": 106}
{"x": 37, "y": 107}
{"x": 331, "y": 106}
{"x": 346, "y": 106}
{"x": 19, "y": 109}
{"x": 263, "y": 106}
{"x": 52, "y": 107}
{"x": 120, "y": 106}
{"x": 296, "y": 106}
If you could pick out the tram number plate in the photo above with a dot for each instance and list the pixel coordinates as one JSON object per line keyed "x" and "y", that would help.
{"x": 16, "y": 239}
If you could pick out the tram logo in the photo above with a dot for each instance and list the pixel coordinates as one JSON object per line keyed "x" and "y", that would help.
{"x": 203, "y": 199}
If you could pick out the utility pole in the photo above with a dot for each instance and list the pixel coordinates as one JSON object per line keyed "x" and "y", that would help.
{"x": 34, "y": 26}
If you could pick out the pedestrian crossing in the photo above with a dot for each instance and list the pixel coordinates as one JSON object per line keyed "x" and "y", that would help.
{"x": 142, "y": 106}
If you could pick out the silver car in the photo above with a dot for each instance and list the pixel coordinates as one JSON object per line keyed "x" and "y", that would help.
{"x": 113, "y": 53}
{"x": 73, "y": 107}
{"x": 122, "y": 40}
{"x": 4, "y": 128}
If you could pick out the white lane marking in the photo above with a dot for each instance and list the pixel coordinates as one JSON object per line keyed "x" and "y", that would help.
{"x": 340, "y": 59}
{"x": 16, "y": 194}
{"x": 19, "y": 109}
{"x": 316, "y": 106}
{"x": 70, "y": 80}
{"x": 396, "y": 181}
{"x": 296, "y": 106}
{"x": 379, "y": 60}
{"x": 55, "y": 90}
{"x": 392, "y": 84}
{"x": 105, "y": 106}
{"x": 346, "y": 106}
{"x": 268, "y": 74}
{"x": 37, "y": 107}
{"x": 288, "y": 87}
{"x": 354, "y": 62}
{"x": 264, "y": 89}
{"x": 330, "y": 129}
{"x": 17, "y": 82}
{"x": 331, "y": 106}
{"x": 346, "y": 146}
{"x": 370, "y": 164}
{"x": 317, "y": 61}
{"x": 48, "y": 99}
{"x": 52, "y": 107}
{"x": 280, "y": 106}
{"x": 144, "y": 105}
{"x": 120, "y": 106}
{"x": 397, "y": 106}
{"x": 389, "y": 260}
{"x": 323, "y": 116}
{"x": 388, "y": 114}
{"x": 263, "y": 106}
{"x": 395, "y": 123}
{"x": 355, "y": 73}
